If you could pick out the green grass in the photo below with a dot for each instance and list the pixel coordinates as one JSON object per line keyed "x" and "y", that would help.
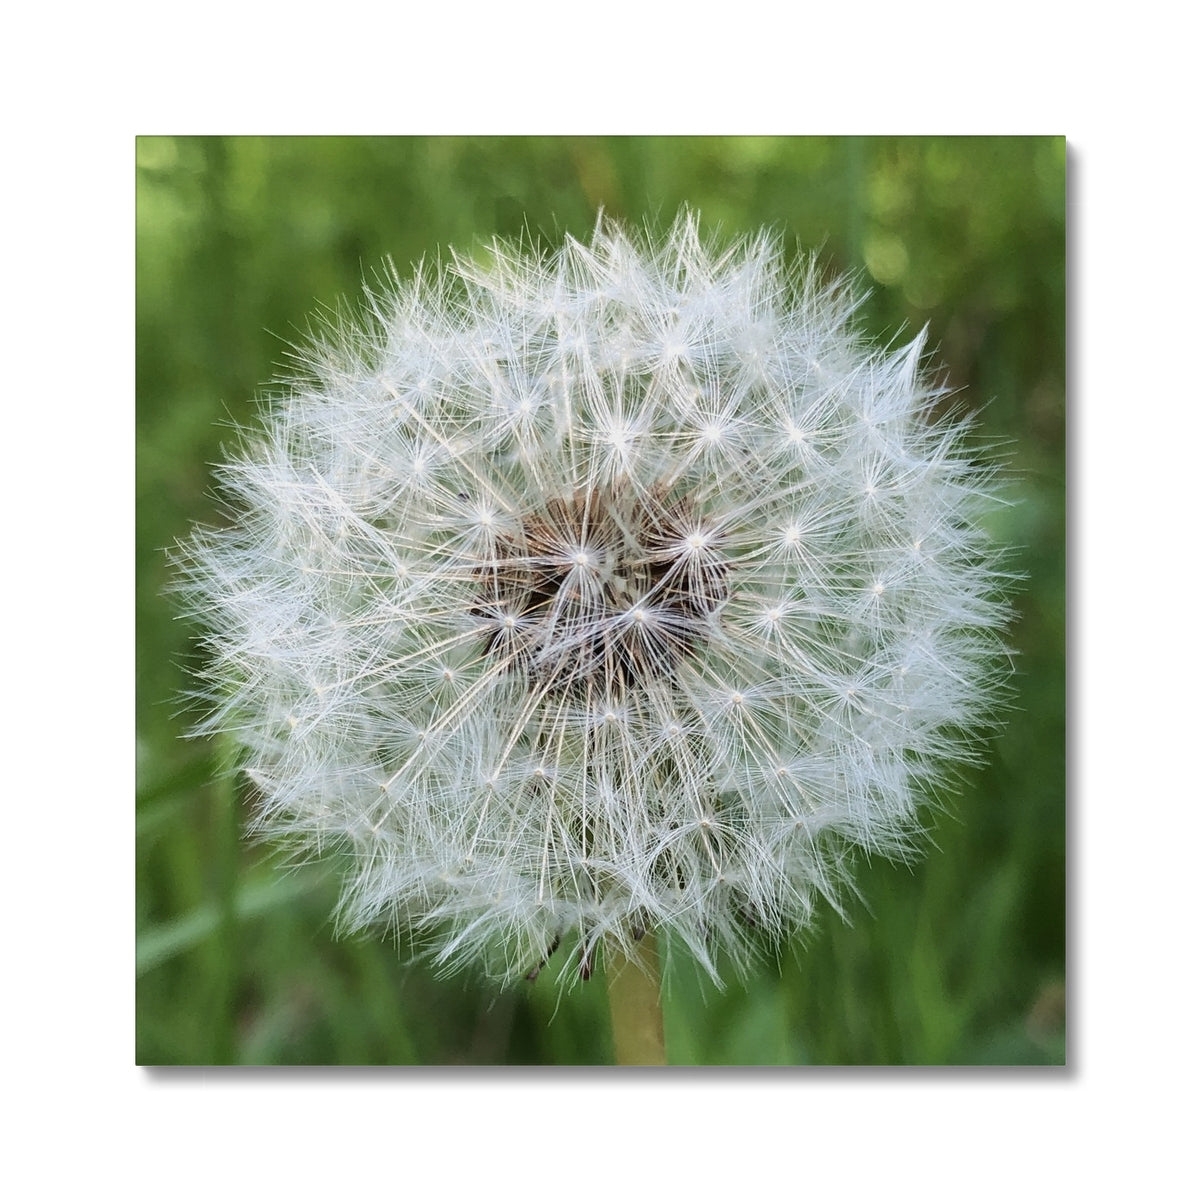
{"x": 959, "y": 958}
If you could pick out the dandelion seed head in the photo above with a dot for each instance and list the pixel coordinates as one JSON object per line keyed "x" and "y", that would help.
{"x": 617, "y": 587}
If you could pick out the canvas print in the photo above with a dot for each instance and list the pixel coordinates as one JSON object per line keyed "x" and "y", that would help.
{"x": 600, "y": 601}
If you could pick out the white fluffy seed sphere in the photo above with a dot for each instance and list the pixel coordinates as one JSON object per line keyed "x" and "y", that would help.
{"x": 586, "y": 593}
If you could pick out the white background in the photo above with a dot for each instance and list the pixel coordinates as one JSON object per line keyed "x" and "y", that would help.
{"x": 81, "y": 83}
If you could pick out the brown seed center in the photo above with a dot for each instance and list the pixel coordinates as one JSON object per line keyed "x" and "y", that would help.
{"x": 602, "y": 588}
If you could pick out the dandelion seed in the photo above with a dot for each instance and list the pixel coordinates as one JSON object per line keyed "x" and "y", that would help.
{"x": 598, "y": 592}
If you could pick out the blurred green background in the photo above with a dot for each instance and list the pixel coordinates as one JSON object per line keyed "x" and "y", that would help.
{"x": 959, "y": 958}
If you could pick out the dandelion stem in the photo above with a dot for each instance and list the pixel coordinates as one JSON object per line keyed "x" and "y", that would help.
{"x": 228, "y": 945}
{"x": 635, "y": 1002}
